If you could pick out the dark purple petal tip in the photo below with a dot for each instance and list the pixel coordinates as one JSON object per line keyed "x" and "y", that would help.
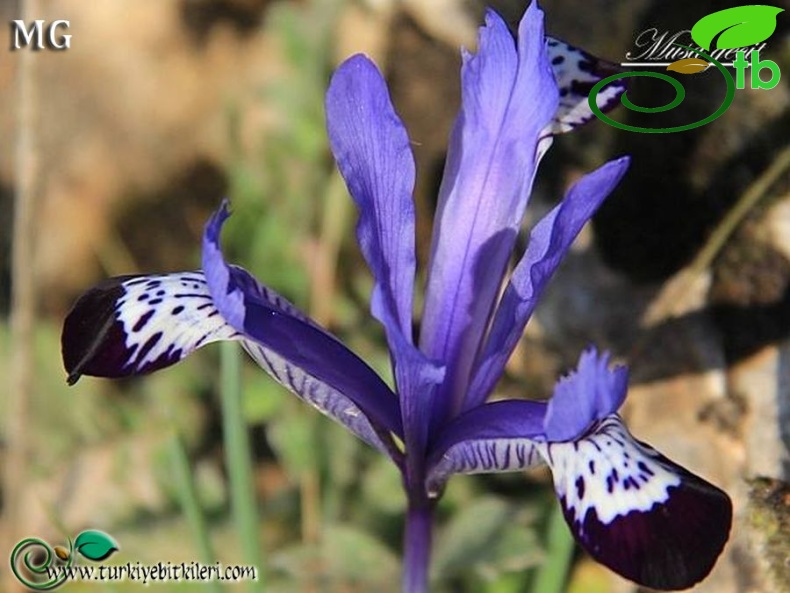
{"x": 637, "y": 512}
{"x": 133, "y": 325}
{"x": 671, "y": 546}
{"x": 93, "y": 340}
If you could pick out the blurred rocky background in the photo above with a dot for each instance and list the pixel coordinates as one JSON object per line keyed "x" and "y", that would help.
{"x": 159, "y": 109}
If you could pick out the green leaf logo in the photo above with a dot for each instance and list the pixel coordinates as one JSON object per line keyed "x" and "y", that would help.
{"x": 739, "y": 26}
{"x": 688, "y": 66}
{"x": 95, "y": 545}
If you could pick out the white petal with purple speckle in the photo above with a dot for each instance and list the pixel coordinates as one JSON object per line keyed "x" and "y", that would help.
{"x": 165, "y": 317}
{"x": 576, "y": 72}
{"x": 608, "y": 471}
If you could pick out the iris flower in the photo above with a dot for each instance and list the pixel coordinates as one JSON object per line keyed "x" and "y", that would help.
{"x": 631, "y": 508}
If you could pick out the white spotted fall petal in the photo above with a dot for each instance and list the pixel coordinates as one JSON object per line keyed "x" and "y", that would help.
{"x": 632, "y": 509}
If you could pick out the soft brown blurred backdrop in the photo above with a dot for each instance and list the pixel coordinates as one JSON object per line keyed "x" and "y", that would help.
{"x": 159, "y": 109}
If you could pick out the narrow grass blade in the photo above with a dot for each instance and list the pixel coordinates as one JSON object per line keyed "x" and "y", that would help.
{"x": 187, "y": 492}
{"x": 552, "y": 575}
{"x": 237, "y": 456}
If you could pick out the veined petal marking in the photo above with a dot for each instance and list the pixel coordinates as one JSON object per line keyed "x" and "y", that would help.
{"x": 496, "y": 437}
{"x": 482, "y": 456}
{"x": 305, "y": 349}
{"x": 321, "y": 396}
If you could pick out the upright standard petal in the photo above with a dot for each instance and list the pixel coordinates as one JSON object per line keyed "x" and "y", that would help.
{"x": 372, "y": 151}
{"x": 635, "y": 511}
{"x": 549, "y": 240}
{"x": 296, "y": 351}
{"x": 508, "y": 96}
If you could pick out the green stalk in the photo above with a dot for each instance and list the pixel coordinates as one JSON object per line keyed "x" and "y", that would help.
{"x": 237, "y": 456}
{"x": 191, "y": 506}
{"x": 552, "y": 575}
{"x": 753, "y": 194}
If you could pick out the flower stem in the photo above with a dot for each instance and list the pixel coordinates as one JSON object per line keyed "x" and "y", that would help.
{"x": 417, "y": 547}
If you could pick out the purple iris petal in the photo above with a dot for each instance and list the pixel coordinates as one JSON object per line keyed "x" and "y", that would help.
{"x": 592, "y": 392}
{"x": 549, "y": 240}
{"x": 372, "y": 151}
{"x": 417, "y": 380}
{"x": 508, "y": 96}
{"x": 317, "y": 358}
{"x": 636, "y": 511}
{"x": 496, "y": 437}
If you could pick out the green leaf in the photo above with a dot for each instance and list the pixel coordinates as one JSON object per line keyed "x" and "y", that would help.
{"x": 487, "y": 538}
{"x": 347, "y": 559}
{"x": 95, "y": 545}
{"x": 739, "y": 26}
{"x": 382, "y": 486}
{"x": 293, "y": 439}
{"x": 263, "y": 399}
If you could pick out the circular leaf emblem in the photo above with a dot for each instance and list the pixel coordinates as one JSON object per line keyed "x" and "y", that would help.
{"x": 95, "y": 545}
{"x": 736, "y": 27}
